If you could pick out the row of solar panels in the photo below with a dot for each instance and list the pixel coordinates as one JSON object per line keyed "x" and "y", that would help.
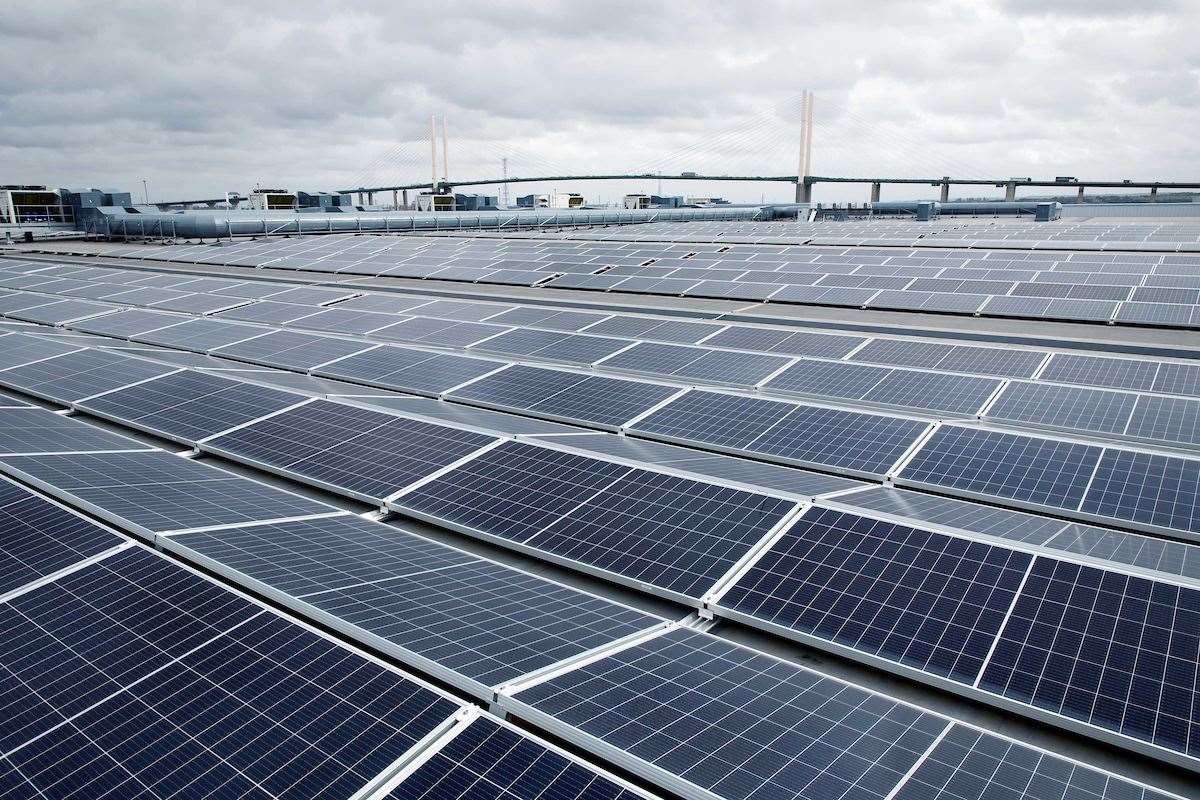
{"x": 288, "y": 304}
{"x": 225, "y": 696}
{"x": 945, "y": 607}
{"x": 856, "y": 443}
{"x": 1169, "y": 299}
{"x": 1149, "y": 418}
{"x": 1168, "y": 237}
{"x": 1155, "y": 420}
{"x": 127, "y": 675}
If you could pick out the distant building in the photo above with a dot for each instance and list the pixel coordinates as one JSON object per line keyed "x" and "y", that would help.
{"x": 533, "y": 201}
{"x": 666, "y": 202}
{"x": 566, "y": 200}
{"x": 427, "y": 201}
{"x": 32, "y": 204}
{"x": 637, "y": 201}
{"x": 323, "y": 200}
{"x": 475, "y": 202}
{"x": 273, "y": 200}
{"x": 707, "y": 201}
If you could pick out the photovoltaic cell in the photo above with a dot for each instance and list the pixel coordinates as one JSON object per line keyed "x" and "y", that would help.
{"x": 200, "y": 335}
{"x": 1113, "y": 650}
{"x": 161, "y": 492}
{"x": 739, "y": 724}
{"x": 929, "y": 601}
{"x": 351, "y": 448}
{"x": 1031, "y": 470}
{"x": 75, "y": 376}
{"x": 127, "y": 323}
{"x": 21, "y": 349}
{"x": 191, "y": 405}
{"x": 1166, "y": 419}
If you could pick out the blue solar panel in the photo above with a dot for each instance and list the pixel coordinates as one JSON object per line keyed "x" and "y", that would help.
{"x": 1064, "y": 407}
{"x": 929, "y": 601}
{"x": 807, "y": 434}
{"x": 1166, "y": 419}
{"x": 356, "y": 449}
{"x": 956, "y": 394}
{"x": 162, "y": 492}
{"x": 37, "y": 430}
{"x": 678, "y": 534}
{"x": 513, "y": 491}
{"x": 1145, "y": 488}
{"x": 191, "y": 405}
{"x": 968, "y": 763}
{"x": 38, "y": 538}
{"x": 1177, "y": 378}
{"x": 77, "y": 375}
{"x": 291, "y": 350}
{"x": 493, "y": 761}
{"x": 1043, "y": 471}
{"x": 1113, "y": 373}
{"x": 738, "y": 724}
{"x": 1113, "y": 650}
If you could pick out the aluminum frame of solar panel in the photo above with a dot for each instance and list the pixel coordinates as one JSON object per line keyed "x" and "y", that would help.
{"x": 157, "y": 493}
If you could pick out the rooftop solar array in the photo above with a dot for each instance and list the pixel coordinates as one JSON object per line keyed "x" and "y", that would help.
{"x": 1001, "y": 522}
{"x": 953, "y": 268}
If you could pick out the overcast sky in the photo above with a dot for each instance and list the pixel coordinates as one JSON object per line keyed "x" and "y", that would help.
{"x": 204, "y": 98}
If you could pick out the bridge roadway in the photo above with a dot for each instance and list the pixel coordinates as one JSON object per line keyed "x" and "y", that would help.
{"x": 803, "y": 185}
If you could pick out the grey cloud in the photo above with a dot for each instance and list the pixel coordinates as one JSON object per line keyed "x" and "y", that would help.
{"x": 202, "y": 98}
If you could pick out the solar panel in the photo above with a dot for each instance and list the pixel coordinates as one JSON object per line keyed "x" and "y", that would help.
{"x": 21, "y": 349}
{"x": 75, "y": 376}
{"x": 973, "y": 517}
{"x": 1166, "y": 419}
{"x": 194, "y": 690}
{"x": 1176, "y": 378}
{"x": 311, "y": 295}
{"x": 725, "y": 469}
{"x": 827, "y": 378}
{"x": 367, "y": 453}
{"x": 1042, "y": 471}
{"x": 597, "y": 399}
{"x": 901, "y": 352}
{"x": 1113, "y": 650}
{"x": 513, "y": 491}
{"x": 159, "y": 492}
{"x": 39, "y": 538}
{"x": 492, "y": 760}
{"x": 200, "y": 335}
{"x": 969, "y": 763}
{"x": 291, "y": 350}
{"x": 929, "y": 601}
{"x": 400, "y": 368}
{"x": 127, "y": 323}
{"x": 865, "y": 443}
{"x": 717, "y": 717}
{"x": 199, "y": 303}
{"x": 1147, "y": 489}
{"x": 666, "y": 531}
{"x": 62, "y": 311}
{"x": 189, "y": 405}
{"x": 1064, "y": 407}
{"x": 267, "y": 312}
{"x": 1113, "y": 373}
{"x": 36, "y": 430}
{"x": 955, "y": 394}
